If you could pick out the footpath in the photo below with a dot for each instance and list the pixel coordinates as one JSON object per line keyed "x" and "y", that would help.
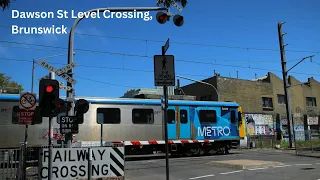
{"x": 299, "y": 152}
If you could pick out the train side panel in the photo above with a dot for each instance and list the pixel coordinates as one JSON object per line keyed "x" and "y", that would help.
{"x": 214, "y": 123}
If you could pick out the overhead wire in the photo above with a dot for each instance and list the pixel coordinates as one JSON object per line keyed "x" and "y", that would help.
{"x": 187, "y": 43}
{"x": 123, "y": 54}
{"x": 150, "y": 71}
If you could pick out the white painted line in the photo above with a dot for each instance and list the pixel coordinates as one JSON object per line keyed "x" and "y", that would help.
{"x": 317, "y": 163}
{"x": 303, "y": 164}
{"x": 202, "y": 176}
{"x": 257, "y": 169}
{"x": 232, "y": 172}
{"x": 282, "y": 166}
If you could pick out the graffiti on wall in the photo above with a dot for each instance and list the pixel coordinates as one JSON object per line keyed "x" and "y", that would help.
{"x": 259, "y": 124}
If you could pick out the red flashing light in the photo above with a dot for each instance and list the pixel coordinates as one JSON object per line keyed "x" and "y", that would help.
{"x": 49, "y": 89}
{"x": 161, "y": 17}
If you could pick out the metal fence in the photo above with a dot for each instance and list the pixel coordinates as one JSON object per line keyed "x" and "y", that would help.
{"x": 309, "y": 144}
{"x": 262, "y": 141}
{"x": 19, "y": 163}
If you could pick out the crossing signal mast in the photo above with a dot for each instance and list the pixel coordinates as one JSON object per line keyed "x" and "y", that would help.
{"x": 178, "y": 20}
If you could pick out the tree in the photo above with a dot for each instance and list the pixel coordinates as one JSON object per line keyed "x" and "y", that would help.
{"x": 167, "y": 3}
{"x": 4, "y": 4}
{"x": 6, "y": 82}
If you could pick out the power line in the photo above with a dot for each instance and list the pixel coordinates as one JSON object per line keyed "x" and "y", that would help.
{"x": 150, "y": 71}
{"x": 187, "y": 43}
{"x": 122, "y": 54}
{"x": 111, "y": 84}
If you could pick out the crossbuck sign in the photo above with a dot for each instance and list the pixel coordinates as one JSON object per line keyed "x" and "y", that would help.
{"x": 59, "y": 72}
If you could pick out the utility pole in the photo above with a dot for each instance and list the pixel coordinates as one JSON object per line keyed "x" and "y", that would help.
{"x": 165, "y": 114}
{"x": 285, "y": 83}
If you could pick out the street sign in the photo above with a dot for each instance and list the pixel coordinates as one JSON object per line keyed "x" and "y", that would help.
{"x": 27, "y": 106}
{"x": 60, "y": 72}
{"x": 61, "y": 86}
{"x": 69, "y": 124}
{"x": 26, "y": 116}
{"x": 177, "y": 6}
{"x": 27, "y": 101}
{"x": 164, "y": 72}
{"x": 166, "y": 46}
{"x": 72, "y": 163}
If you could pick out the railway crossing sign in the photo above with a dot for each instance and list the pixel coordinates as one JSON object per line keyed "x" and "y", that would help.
{"x": 63, "y": 87}
{"x": 164, "y": 71}
{"x": 27, "y": 105}
{"x": 59, "y": 72}
{"x": 69, "y": 124}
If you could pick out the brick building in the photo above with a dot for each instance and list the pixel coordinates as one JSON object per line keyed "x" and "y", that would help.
{"x": 263, "y": 99}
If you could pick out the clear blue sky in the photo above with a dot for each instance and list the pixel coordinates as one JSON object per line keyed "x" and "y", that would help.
{"x": 243, "y": 28}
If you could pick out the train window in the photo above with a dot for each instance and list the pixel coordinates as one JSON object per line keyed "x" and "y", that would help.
{"x": 142, "y": 116}
{"x": 207, "y": 116}
{"x": 183, "y": 116}
{"x": 233, "y": 116}
{"x": 171, "y": 116}
{"x": 108, "y": 116}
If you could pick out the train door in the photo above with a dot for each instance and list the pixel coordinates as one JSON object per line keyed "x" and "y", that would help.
{"x": 172, "y": 122}
{"x": 184, "y": 123}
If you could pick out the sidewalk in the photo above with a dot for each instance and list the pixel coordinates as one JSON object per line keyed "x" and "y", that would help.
{"x": 307, "y": 153}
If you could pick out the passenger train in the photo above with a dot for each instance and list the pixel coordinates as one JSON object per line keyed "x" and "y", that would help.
{"x": 194, "y": 127}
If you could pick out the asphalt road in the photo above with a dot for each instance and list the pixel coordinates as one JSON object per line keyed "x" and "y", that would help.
{"x": 296, "y": 167}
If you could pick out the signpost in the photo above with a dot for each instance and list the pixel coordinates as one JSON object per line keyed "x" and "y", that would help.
{"x": 164, "y": 75}
{"x": 72, "y": 163}
{"x": 69, "y": 124}
{"x": 27, "y": 105}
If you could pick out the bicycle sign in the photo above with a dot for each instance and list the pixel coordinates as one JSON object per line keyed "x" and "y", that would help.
{"x": 28, "y": 101}
{"x": 164, "y": 72}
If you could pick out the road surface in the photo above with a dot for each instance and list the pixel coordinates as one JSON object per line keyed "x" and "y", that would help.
{"x": 294, "y": 167}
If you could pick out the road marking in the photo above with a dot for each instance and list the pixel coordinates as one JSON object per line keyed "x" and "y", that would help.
{"x": 317, "y": 163}
{"x": 231, "y": 172}
{"x": 282, "y": 166}
{"x": 202, "y": 176}
{"x": 257, "y": 169}
{"x": 303, "y": 164}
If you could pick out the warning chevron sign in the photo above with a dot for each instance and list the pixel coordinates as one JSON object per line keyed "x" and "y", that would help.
{"x": 72, "y": 163}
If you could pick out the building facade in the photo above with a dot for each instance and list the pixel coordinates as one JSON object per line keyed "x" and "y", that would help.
{"x": 263, "y": 102}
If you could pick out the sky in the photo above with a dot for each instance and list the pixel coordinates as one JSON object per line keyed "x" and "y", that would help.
{"x": 115, "y": 55}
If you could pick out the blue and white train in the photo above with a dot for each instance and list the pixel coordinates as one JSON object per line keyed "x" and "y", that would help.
{"x": 194, "y": 127}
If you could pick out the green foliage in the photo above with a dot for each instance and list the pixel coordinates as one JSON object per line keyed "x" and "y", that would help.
{"x": 168, "y": 3}
{"x": 4, "y": 4}
{"x": 6, "y": 82}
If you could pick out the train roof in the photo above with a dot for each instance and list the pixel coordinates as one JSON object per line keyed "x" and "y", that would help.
{"x": 106, "y": 100}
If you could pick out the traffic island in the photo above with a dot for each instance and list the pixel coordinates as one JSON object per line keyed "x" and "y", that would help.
{"x": 244, "y": 164}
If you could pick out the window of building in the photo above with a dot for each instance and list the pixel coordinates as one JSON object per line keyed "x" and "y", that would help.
{"x": 311, "y": 101}
{"x": 183, "y": 116}
{"x": 108, "y": 116}
{"x": 142, "y": 116}
{"x": 207, "y": 116}
{"x": 267, "y": 103}
{"x": 171, "y": 116}
{"x": 281, "y": 99}
{"x": 233, "y": 116}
